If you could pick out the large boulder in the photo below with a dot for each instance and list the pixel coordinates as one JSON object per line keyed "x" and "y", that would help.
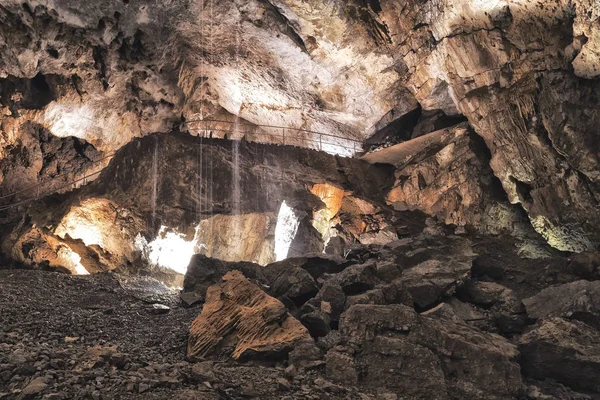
{"x": 241, "y": 319}
{"x": 577, "y": 300}
{"x": 315, "y": 264}
{"x": 429, "y": 267}
{"x": 568, "y": 352}
{"x": 434, "y": 360}
{"x": 357, "y": 278}
{"x": 291, "y": 282}
{"x": 204, "y": 272}
{"x": 585, "y": 266}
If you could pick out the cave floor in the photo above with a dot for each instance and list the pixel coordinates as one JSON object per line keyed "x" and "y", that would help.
{"x": 98, "y": 337}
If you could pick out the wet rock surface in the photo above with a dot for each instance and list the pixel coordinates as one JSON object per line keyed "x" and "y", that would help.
{"x": 186, "y": 184}
{"x": 524, "y": 76}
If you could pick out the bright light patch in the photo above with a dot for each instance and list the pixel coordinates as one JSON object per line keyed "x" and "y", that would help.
{"x": 285, "y": 231}
{"x": 170, "y": 250}
{"x": 83, "y": 223}
{"x": 69, "y": 120}
{"x": 89, "y": 234}
{"x": 72, "y": 261}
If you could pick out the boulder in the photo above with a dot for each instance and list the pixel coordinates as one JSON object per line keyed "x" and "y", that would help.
{"x": 568, "y": 352}
{"x": 487, "y": 266}
{"x": 488, "y": 295}
{"x": 305, "y": 355}
{"x": 551, "y": 390}
{"x": 392, "y": 347}
{"x": 585, "y": 266}
{"x": 507, "y": 314}
{"x": 239, "y": 315}
{"x": 357, "y": 278}
{"x": 333, "y": 297}
{"x": 34, "y": 388}
{"x": 394, "y": 293}
{"x": 443, "y": 311}
{"x": 430, "y": 267}
{"x": 577, "y": 300}
{"x": 292, "y": 282}
{"x": 204, "y": 272}
{"x": 341, "y": 368}
{"x": 315, "y": 264}
{"x": 317, "y": 322}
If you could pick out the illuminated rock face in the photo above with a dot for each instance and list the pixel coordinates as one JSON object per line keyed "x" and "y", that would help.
{"x": 526, "y": 92}
{"x": 164, "y": 198}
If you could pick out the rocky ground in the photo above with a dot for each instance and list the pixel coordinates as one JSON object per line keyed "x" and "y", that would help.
{"x": 101, "y": 337}
{"x": 421, "y": 318}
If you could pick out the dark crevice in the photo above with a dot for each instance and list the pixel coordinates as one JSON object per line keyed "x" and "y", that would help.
{"x": 483, "y": 153}
{"x": 290, "y": 29}
{"x": 132, "y": 49}
{"x": 523, "y": 190}
{"x": 22, "y": 93}
{"x": 77, "y": 83}
{"x": 98, "y": 53}
{"x": 28, "y": 9}
{"x": 397, "y": 131}
{"x": 52, "y": 52}
{"x": 365, "y": 12}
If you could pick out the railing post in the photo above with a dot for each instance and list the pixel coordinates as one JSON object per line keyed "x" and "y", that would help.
{"x": 283, "y": 135}
{"x": 320, "y": 142}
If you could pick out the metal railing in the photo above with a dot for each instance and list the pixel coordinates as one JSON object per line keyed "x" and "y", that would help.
{"x": 39, "y": 187}
{"x": 273, "y": 134}
{"x": 253, "y": 133}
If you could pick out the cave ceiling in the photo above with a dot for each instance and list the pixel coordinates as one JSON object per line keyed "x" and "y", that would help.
{"x": 524, "y": 73}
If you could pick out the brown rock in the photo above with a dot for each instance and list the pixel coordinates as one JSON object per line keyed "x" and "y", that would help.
{"x": 204, "y": 272}
{"x": 568, "y": 352}
{"x": 577, "y": 300}
{"x": 238, "y": 314}
{"x": 436, "y": 359}
{"x": 431, "y": 267}
{"x": 33, "y": 388}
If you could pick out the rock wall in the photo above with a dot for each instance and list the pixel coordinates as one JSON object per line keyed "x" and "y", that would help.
{"x": 169, "y": 196}
{"x": 523, "y": 73}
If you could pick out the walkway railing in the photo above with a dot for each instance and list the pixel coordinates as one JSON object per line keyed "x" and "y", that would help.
{"x": 273, "y": 134}
{"x": 38, "y": 188}
{"x": 207, "y": 128}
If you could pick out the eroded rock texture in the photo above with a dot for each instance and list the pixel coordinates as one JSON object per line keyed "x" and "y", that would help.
{"x": 418, "y": 318}
{"x": 519, "y": 87}
{"x": 237, "y": 313}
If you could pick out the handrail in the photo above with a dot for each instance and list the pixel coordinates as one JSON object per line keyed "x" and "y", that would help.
{"x": 50, "y": 180}
{"x": 356, "y": 145}
{"x": 352, "y": 149}
{"x": 272, "y": 126}
{"x": 12, "y": 205}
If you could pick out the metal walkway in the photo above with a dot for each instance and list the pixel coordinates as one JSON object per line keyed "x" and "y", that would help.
{"x": 272, "y": 134}
{"x": 267, "y": 134}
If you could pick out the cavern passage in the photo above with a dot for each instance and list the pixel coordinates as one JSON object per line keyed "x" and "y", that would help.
{"x": 285, "y": 199}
